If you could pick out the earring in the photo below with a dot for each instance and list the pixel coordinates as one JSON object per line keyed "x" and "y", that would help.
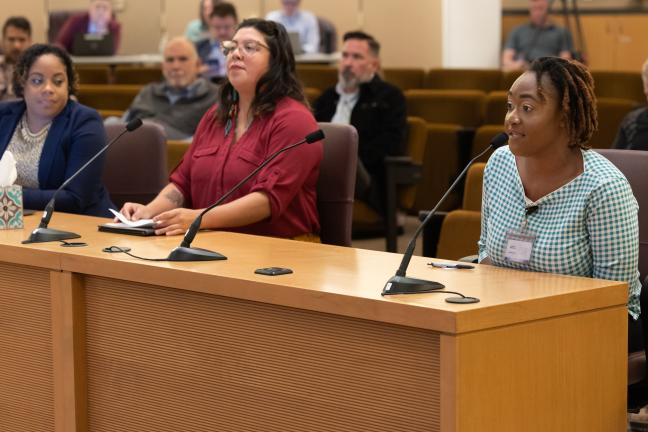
{"x": 233, "y": 112}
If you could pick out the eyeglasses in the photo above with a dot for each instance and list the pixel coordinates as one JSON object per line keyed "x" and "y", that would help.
{"x": 249, "y": 47}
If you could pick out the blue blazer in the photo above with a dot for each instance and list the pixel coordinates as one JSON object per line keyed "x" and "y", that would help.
{"x": 76, "y": 135}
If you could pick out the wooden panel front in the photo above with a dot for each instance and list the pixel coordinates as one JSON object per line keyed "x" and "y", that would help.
{"x": 561, "y": 374}
{"x": 26, "y": 388}
{"x": 162, "y": 359}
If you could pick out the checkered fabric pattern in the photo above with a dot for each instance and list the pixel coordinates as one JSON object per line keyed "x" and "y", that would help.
{"x": 588, "y": 227}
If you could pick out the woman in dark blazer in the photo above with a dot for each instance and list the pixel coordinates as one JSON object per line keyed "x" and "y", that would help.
{"x": 52, "y": 136}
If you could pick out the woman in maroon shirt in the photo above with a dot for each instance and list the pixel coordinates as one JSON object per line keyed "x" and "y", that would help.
{"x": 261, "y": 109}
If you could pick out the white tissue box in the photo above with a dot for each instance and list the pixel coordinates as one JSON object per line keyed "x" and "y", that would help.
{"x": 11, "y": 207}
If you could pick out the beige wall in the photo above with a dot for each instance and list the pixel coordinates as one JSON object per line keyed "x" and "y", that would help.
{"x": 410, "y": 36}
{"x": 32, "y": 9}
{"x": 410, "y": 30}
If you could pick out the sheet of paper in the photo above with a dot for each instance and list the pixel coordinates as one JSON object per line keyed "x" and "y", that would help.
{"x": 142, "y": 223}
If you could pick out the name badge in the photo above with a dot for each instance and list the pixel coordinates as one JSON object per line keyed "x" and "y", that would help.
{"x": 519, "y": 247}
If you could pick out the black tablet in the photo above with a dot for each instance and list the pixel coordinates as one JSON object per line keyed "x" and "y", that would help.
{"x": 125, "y": 229}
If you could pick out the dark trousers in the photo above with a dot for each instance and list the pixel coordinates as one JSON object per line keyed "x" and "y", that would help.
{"x": 638, "y": 329}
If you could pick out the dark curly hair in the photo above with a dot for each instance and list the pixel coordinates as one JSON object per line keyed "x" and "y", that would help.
{"x": 576, "y": 100}
{"x": 29, "y": 57}
{"x": 279, "y": 81}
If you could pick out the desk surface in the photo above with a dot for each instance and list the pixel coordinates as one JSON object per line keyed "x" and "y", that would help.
{"x": 153, "y": 58}
{"x": 330, "y": 279}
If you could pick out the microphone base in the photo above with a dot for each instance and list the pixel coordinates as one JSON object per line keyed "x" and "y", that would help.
{"x": 408, "y": 285}
{"x": 42, "y": 235}
{"x": 462, "y": 300}
{"x": 194, "y": 254}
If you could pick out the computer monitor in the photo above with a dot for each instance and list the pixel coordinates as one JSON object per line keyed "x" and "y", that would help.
{"x": 295, "y": 43}
{"x": 93, "y": 45}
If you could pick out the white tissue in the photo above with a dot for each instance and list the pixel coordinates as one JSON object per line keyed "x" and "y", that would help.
{"x": 8, "y": 172}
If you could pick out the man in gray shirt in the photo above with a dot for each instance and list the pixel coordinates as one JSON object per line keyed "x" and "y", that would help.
{"x": 179, "y": 102}
{"x": 537, "y": 38}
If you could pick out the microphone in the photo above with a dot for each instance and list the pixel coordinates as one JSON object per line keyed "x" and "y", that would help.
{"x": 185, "y": 252}
{"x": 45, "y": 234}
{"x": 400, "y": 283}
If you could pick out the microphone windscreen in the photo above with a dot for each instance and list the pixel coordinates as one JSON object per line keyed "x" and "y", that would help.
{"x": 499, "y": 140}
{"x": 133, "y": 124}
{"x": 318, "y": 135}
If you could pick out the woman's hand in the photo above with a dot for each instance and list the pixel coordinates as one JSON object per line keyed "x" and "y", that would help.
{"x": 135, "y": 211}
{"x": 174, "y": 222}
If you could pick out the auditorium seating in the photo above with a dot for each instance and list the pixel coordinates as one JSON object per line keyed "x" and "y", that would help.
{"x": 610, "y": 114}
{"x": 175, "y": 152}
{"x": 137, "y": 74}
{"x": 111, "y": 97}
{"x": 404, "y": 78}
{"x": 623, "y": 85}
{"x": 482, "y": 139}
{"x": 463, "y": 107}
{"x": 495, "y": 107}
{"x": 90, "y": 74}
{"x": 317, "y": 76}
{"x": 454, "y": 235}
{"x": 312, "y": 94}
{"x": 508, "y": 78}
{"x": 485, "y": 80}
{"x": 440, "y": 165}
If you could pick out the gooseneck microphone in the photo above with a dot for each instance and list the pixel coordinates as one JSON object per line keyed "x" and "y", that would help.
{"x": 45, "y": 234}
{"x": 185, "y": 252}
{"x": 400, "y": 283}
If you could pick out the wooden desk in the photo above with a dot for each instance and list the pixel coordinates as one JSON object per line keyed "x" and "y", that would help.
{"x": 101, "y": 342}
{"x": 315, "y": 58}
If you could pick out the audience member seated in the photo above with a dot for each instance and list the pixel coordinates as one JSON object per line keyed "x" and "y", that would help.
{"x": 198, "y": 29}
{"x": 98, "y": 20}
{"x": 538, "y": 38}
{"x": 374, "y": 107}
{"x": 261, "y": 109}
{"x": 633, "y": 132}
{"x": 16, "y": 38}
{"x": 52, "y": 136}
{"x": 298, "y": 21}
{"x": 178, "y": 102}
{"x": 550, "y": 204}
{"x": 222, "y": 25}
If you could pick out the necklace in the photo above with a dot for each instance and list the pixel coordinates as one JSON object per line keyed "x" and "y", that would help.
{"x": 28, "y": 136}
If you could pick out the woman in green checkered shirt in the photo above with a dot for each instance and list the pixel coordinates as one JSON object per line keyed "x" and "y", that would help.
{"x": 550, "y": 204}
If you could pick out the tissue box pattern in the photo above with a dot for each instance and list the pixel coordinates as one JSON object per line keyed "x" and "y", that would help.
{"x": 11, "y": 207}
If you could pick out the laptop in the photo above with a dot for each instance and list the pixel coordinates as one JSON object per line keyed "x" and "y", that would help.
{"x": 93, "y": 45}
{"x": 295, "y": 43}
